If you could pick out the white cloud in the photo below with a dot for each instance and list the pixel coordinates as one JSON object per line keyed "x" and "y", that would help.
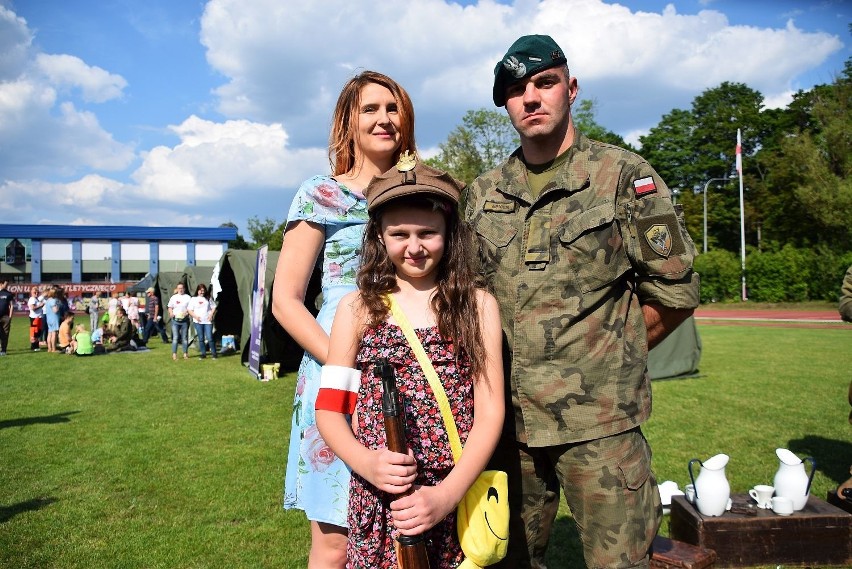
{"x": 778, "y": 100}
{"x": 15, "y": 42}
{"x": 285, "y": 62}
{"x": 41, "y": 133}
{"x": 216, "y": 161}
{"x": 96, "y": 84}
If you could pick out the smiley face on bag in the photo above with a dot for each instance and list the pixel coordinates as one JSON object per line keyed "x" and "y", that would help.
{"x": 483, "y": 520}
{"x": 494, "y": 512}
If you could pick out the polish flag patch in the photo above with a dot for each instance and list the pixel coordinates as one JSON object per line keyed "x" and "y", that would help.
{"x": 338, "y": 389}
{"x": 644, "y": 186}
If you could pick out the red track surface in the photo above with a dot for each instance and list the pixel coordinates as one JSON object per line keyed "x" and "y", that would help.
{"x": 771, "y": 317}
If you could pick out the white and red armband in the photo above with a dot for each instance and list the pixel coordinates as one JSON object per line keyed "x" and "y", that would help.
{"x": 338, "y": 389}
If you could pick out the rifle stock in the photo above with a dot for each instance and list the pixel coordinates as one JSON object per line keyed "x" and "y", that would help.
{"x": 410, "y": 550}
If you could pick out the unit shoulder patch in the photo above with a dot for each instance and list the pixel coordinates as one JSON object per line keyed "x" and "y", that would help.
{"x": 659, "y": 238}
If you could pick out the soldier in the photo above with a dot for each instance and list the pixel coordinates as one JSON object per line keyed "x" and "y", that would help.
{"x": 845, "y": 305}
{"x": 592, "y": 265}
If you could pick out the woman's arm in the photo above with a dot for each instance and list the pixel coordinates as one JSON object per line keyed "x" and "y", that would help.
{"x": 420, "y": 511}
{"x": 303, "y": 242}
{"x": 388, "y": 471}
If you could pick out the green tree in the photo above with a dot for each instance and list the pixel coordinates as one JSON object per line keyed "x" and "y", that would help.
{"x": 266, "y": 232}
{"x": 690, "y": 147}
{"x": 808, "y": 183}
{"x": 584, "y": 113}
{"x": 239, "y": 242}
{"x": 483, "y": 140}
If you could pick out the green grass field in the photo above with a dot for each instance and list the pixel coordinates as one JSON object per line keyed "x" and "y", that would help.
{"x": 135, "y": 461}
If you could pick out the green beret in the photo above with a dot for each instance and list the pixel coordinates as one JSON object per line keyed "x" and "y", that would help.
{"x": 527, "y": 56}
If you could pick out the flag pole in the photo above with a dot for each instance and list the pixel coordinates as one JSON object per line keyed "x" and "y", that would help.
{"x": 742, "y": 215}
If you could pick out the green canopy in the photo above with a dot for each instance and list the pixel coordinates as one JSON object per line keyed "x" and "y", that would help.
{"x": 193, "y": 275}
{"x": 233, "y": 281}
{"x": 164, "y": 287}
{"x": 677, "y": 355}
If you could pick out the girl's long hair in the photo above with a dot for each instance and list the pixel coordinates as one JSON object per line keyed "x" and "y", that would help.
{"x": 344, "y": 122}
{"x": 454, "y": 302}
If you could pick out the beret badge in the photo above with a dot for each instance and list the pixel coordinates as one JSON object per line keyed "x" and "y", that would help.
{"x": 515, "y": 67}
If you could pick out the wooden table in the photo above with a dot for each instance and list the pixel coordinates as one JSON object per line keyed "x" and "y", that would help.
{"x": 748, "y": 535}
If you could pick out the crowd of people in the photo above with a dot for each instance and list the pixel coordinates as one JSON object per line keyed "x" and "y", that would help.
{"x": 119, "y": 322}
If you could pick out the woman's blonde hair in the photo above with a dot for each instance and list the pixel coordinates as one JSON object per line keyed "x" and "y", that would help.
{"x": 344, "y": 125}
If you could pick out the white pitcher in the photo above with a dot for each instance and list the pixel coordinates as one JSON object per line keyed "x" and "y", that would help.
{"x": 712, "y": 490}
{"x": 791, "y": 480}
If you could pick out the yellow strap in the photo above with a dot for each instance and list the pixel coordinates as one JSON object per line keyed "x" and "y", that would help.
{"x": 430, "y": 373}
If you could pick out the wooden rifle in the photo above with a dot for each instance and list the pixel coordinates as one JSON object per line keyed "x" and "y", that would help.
{"x": 410, "y": 549}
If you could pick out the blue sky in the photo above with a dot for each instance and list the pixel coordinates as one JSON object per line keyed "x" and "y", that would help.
{"x": 195, "y": 112}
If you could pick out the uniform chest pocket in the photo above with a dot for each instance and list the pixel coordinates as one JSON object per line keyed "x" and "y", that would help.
{"x": 495, "y": 234}
{"x": 592, "y": 246}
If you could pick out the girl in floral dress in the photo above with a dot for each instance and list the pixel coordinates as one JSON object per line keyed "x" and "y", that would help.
{"x": 418, "y": 250}
{"x": 373, "y": 123}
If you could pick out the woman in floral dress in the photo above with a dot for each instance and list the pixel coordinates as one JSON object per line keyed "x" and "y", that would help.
{"x": 373, "y": 124}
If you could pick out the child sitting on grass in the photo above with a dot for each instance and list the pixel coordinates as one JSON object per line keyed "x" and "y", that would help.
{"x": 64, "y": 345}
{"x": 82, "y": 344}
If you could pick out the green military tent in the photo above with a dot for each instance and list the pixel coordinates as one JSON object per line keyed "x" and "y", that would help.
{"x": 233, "y": 282}
{"x": 678, "y": 355}
{"x": 164, "y": 287}
{"x": 193, "y": 275}
{"x": 166, "y": 281}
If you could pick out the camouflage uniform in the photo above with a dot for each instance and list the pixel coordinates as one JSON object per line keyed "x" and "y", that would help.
{"x": 571, "y": 269}
{"x": 845, "y": 305}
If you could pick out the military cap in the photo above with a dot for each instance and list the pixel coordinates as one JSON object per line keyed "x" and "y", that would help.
{"x": 410, "y": 177}
{"x": 527, "y": 56}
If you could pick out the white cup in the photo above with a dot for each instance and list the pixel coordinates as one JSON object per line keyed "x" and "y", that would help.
{"x": 782, "y": 506}
{"x": 762, "y": 494}
{"x": 689, "y": 493}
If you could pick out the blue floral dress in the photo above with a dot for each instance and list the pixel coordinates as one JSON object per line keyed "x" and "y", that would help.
{"x": 371, "y": 531}
{"x": 317, "y": 481}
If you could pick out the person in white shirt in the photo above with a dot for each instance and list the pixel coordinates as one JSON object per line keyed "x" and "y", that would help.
{"x": 179, "y": 313}
{"x": 202, "y": 309}
{"x": 36, "y": 307}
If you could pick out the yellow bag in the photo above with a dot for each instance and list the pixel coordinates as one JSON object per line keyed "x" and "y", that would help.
{"x": 483, "y": 519}
{"x": 482, "y": 516}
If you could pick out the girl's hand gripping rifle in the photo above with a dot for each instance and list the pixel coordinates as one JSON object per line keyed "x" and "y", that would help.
{"x": 410, "y": 549}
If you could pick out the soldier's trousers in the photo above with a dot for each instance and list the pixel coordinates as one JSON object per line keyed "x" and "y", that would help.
{"x": 609, "y": 486}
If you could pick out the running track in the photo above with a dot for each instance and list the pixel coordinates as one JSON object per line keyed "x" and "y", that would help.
{"x": 771, "y": 317}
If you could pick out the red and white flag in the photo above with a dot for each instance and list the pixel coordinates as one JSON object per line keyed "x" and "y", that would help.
{"x": 739, "y": 154}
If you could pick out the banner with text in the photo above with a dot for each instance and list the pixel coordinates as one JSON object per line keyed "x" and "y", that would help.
{"x": 257, "y": 295}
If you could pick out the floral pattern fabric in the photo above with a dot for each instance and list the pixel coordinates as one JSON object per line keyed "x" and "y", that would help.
{"x": 316, "y": 481}
{"x": 371, "y": 531}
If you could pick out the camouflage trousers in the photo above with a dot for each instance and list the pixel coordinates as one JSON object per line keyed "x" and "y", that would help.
{"x": 609, "y": 486}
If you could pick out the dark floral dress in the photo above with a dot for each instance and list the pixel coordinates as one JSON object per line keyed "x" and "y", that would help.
{"x": 371, "y": 530}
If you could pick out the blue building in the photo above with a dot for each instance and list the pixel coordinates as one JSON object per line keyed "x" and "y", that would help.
{"x": 97, "y": 254}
